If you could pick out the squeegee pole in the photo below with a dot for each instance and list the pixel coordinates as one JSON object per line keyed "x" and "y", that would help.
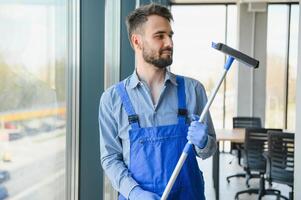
{"x": 217, "y": 86}
{"x": 210, "y": 100}
{"x": 188, "y": 145}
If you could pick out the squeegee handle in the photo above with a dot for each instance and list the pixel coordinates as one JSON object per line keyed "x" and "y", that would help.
{"x": 217, "y": 86}
{"x": 177, "y": 170}
{"x": 188, "y": 145}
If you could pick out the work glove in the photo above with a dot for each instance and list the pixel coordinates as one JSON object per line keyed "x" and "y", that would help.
{"x": 197, "y": 133}
{"x": 138, "y": 193}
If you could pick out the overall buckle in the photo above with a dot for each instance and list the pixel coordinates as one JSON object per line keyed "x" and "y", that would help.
{"x": 133, "y": 119}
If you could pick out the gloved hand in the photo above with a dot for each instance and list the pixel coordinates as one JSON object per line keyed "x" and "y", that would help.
{"x": 197, "y": 133}
{"x": 138, "y": 193}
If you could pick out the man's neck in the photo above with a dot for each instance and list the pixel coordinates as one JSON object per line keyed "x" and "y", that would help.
{"x": 154, "y": 78}
{"x": 152, "y": 75}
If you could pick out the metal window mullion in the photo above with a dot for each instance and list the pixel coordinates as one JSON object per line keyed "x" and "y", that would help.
{"x": 72, "y": 136}
{"x": 112, "y": 42}
{"x": 287, "y": 67}
{"x": 112, "y": 65}
{"x": 225, "y": 80}
{"x": 252, "y": 70}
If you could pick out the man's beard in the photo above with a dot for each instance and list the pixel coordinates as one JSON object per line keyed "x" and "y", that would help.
{"x": 159, "y": 62}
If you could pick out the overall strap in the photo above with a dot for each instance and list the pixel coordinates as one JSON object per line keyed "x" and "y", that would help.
{"x": 182, "y": 111}
{"x": 132, "y": 116}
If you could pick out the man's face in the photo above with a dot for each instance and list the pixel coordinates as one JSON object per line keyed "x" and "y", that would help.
{"x": 157, "y": 44}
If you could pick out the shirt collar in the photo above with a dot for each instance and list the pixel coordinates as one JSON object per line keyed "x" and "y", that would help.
{"x": 134, "y": 79}
{"x": 170, "y": 77}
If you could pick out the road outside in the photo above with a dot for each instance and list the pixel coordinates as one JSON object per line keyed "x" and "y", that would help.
{"x": 37, "y": 167}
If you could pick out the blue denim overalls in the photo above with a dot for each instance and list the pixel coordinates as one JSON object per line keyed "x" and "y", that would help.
{"x": 155, "y": 151}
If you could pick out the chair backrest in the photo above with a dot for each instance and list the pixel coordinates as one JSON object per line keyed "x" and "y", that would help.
{"x": 281, "y": 155}
{"x": 256, "y": 143}
{"x": 246, "y": 122}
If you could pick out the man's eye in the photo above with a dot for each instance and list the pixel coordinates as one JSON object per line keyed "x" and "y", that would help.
{"x": 160, "y": 36}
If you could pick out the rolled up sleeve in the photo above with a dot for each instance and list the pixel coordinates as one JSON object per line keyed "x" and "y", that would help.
{"x": 211, "y": 145}
{"x": 111, "y": 149}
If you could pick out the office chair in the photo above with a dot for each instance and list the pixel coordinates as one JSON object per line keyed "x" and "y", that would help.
{"x": 242, "y": 122}
{"x": 280, "y": 160}
{"x": 256, "y": 143}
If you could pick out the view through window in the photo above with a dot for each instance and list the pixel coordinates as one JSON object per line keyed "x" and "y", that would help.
{"x": 282, "y": 41}
{"x": 33, "y": 101}
{"x": 194, "y": 57}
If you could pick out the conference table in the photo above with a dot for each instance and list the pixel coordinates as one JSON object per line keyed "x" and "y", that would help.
{"x": 236, "y": 135}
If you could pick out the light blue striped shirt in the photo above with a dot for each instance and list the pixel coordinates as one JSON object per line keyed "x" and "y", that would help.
{"x": 114, "y": 125}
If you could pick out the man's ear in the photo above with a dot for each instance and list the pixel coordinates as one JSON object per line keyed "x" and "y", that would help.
{"x": 136, "y": 41}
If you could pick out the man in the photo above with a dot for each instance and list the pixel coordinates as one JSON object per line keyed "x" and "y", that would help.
{"x": 144, "y": 120}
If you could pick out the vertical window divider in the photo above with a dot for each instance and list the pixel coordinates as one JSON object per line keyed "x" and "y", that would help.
{"x": 252, "y": 70}
{"x": 72, "y": 132}
{"x": 225, "y": 57}
{"x": 287, "y": 67}
{"x": 111, "y": 65}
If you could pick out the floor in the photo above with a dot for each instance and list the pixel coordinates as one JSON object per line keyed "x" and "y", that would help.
{"x": 228, "y": 190}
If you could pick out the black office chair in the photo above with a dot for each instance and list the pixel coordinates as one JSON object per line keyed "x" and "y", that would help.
{"x": 256, "y": 143}
{"x": 246, "y": 122}
{"x": 280, "y": 160}
{"x": 242, "y": 122}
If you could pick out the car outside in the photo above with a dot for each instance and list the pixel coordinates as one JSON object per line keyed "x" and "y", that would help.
{"x": 3, "y": 193}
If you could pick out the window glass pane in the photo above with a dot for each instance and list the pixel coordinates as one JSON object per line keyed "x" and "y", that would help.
{"x": 276, "y": 65}
{"x": 33, "y": 101}
{"x": 193, "y": 55}
{"x": 292, "y": 76}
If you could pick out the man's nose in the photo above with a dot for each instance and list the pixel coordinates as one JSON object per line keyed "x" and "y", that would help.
{"x": 169, "y": 42}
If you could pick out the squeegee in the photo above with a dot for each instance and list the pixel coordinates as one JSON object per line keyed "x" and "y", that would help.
{"x": 232, "y": 55}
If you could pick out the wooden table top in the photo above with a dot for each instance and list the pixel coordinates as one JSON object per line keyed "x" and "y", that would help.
{"x": 233, "y": 135}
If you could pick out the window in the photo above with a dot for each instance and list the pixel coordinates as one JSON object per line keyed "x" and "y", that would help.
{"x": 33, "y": 101}
{"x": 194, "y": 57}
{"x": 282, "y": 41}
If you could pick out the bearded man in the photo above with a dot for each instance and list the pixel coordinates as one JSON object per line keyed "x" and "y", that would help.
{"x": 146, "y": 119}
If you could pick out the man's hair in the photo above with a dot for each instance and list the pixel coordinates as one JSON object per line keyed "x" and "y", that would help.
{"x": 138, "y": 17}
